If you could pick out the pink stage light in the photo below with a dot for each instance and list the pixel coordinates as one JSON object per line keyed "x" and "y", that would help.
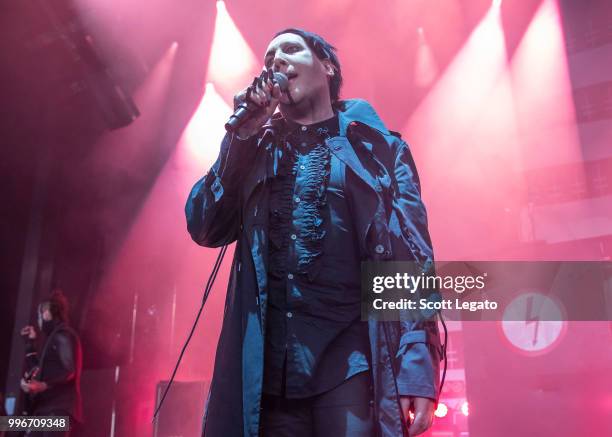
{"x": 157, "y": 223}
{"x": 463, "y": 136}
{"x": 426, "y": 68}
{"x": 124, "y": 148}
{"x": 232, "y": 63}
{"x": 548, "y": 130}
{"x": 461, "y": 94}
{"x": 199, "y": 144}
{"x": 465, "y": 408}
{"x": 231, "y": 66}
{"x": 441, "y": 411}
{"x": 543, "y": 92}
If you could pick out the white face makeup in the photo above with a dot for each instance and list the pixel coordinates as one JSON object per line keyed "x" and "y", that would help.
{"x": 308, "y": 76}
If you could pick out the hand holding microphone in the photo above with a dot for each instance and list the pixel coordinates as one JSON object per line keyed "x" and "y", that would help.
{"x": 256, "y": 104}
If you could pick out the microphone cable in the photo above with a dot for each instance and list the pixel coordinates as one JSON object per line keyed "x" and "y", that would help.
{"x": 443, "y": 353}
{"x": 209, "y": 284}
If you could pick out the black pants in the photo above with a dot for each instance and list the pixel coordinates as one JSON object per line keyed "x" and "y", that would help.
{"x": 344, "y": 411}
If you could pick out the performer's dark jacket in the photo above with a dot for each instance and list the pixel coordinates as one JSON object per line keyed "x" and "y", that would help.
{"x": 231, "y": 204}
{"x": 59, "y": 366}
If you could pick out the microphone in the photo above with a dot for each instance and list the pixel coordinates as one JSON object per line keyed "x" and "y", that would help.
{"x": 246, "y": 110}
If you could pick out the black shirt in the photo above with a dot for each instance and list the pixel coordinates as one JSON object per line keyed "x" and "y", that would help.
{"x": 314, "y": 336}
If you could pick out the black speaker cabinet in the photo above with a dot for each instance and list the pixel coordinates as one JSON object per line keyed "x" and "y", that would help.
{"x": 182, "y": 412}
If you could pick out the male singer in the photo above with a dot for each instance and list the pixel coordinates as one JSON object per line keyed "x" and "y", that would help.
{"x": 308, "y": 193}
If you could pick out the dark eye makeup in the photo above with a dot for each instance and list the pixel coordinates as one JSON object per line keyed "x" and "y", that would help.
{"x": 287, "y": 48}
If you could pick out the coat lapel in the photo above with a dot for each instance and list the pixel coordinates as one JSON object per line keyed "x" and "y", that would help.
{"x": 342, "y": 148}
{"x": 370, "y": 200}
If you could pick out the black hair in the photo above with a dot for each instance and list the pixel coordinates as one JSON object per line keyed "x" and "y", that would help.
{"x": 57, "y": 305}
{"x": 323, "y": 50}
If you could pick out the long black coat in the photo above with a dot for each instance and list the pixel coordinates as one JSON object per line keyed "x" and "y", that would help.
{"x": 231, "y": 204}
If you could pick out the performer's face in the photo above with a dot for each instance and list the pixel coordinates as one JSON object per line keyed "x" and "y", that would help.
{"x": 308, "y": 75}
{"x": 43, "y": 315}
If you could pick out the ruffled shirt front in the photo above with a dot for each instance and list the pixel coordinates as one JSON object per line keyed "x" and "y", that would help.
{"x": 314, "y": 336}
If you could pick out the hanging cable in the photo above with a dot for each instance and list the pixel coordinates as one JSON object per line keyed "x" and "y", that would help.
{"x": 209, "y": 284}
{"x": 443, "y": 353}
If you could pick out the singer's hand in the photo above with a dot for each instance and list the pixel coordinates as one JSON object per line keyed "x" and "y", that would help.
{"x": 423, "y": 413}
{"x": 263, "y": 92}
{"x": 29, "y": 332}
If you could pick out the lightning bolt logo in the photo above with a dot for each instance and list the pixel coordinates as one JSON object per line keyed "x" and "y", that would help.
{"x": 531, "y": 316}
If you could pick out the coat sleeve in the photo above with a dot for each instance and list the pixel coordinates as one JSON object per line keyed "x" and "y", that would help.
{"x": 213, "y": 206}
{"x": 419, "y": 351}
{"x": 65, "y": 347}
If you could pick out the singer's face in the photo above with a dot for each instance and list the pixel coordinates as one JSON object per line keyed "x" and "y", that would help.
{"x": 308, "y": 75}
